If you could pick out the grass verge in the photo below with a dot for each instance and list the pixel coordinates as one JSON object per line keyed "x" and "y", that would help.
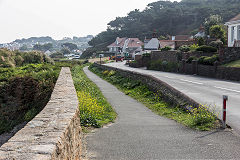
{"x": 233, "y": 64}
{"x": 200, "y": 119}
{"x": 95, "y": 111}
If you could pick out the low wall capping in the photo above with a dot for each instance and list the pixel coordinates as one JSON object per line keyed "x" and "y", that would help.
{"x": 55, "y": 133}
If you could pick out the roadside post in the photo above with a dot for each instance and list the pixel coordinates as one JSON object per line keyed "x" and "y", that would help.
{"x": 225, "y": 98}
{"x": 101, "y": 56}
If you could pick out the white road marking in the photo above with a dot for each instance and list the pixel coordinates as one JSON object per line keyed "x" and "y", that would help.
{"x": 227, "y": 89}
{"x": 191, "y": 81}
{"x": 169, "y": 77}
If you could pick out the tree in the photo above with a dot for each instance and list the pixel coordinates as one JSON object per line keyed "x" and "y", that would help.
{"x": 23, "y": 48}
{"x": 43, "y": 47}
{"x": 169, "y": 18}
{"x": 70, "y": 46}
{"x": 65, "y": 51}
{"x": 217, "y": 31}
{"x": 211, "y": 21}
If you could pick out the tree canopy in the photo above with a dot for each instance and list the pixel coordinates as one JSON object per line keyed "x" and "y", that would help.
{"x": 167, "y": 18}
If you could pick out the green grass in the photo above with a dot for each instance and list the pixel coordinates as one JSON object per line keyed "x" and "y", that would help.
{"x": 24, "y": 91}
{"x": 199, "y": 119}
{"x": 233, "y": 64}
{"x": 95, "y": 111}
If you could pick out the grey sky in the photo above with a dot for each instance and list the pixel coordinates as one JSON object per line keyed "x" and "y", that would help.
{"x": 60, "y": 18}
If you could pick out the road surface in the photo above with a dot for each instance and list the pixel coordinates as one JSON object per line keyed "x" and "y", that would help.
{"x": 140, "y": 134}
{"x": 206, "y": 91}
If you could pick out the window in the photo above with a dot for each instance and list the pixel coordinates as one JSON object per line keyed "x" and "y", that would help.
{"x": 232, "y": 33}
{"x": 238, "y": 32}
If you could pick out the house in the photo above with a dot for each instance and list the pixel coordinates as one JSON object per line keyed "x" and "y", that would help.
{"x": 126, "y": 45}
{"x": 201, "y": 32}
{"x": 234, "y": 31}
{"x": 153, "y": 44}
{"x": 169, "y": 43}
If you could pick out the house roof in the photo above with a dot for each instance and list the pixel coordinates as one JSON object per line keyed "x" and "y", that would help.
{"x": 234, "y": 20}
{"x": 128, "y": 42}
{"x": 164, "y": 43}
{"x": 119, "y": 42}
{"x": 153, "y": 44}
{"x": 134, "y": 43}
{"x": 182, "y": 37}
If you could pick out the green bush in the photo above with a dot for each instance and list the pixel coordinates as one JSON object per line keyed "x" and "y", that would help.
{"x": 190, "y": 59}
{"x": 216, "y": 44}
{"x": 24, "y": 91}
{"x": 184, "y": 48}
{"x": 208, "y": 60}
{"x": 146, "y": 54}
{"x": 193, "y": 47}
{"x": 16, "y": 58}
{"x": 205, "y": 48}
{"x": 166, "y": 48}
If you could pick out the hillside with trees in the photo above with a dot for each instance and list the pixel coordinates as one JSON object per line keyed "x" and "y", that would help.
{"x": 165, "y": 17}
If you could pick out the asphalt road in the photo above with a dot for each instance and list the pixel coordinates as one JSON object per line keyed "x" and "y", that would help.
{"x": 139, "y": 134}
{"x": 206, "y": 91}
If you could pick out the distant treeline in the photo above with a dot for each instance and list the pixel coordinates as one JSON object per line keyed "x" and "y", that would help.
{"x": 166, "y": 18}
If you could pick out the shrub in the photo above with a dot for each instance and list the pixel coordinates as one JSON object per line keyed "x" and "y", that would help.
{"x": 190, "y": 59}
{"x": 216, "y": 44}
{"x": 208, "y": 60}
{"x": 201, "y": 59}
{"x": 194, "y": 47}
{"x": 205, "y": 48}
{"x": 146, "y": 54}
{"x": 184, "y": 48}
{"x": 166, "y": 48}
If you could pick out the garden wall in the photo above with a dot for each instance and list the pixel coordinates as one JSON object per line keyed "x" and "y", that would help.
{"x": 55, "y": 133}
{"x": 227, "y": 73}
{"x": 170, "y": 56}
{"x": 164, "y": 90}
{"x": 229, "y": 54}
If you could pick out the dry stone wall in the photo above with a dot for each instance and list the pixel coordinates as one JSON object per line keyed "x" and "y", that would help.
{"x": 55, "y": 133}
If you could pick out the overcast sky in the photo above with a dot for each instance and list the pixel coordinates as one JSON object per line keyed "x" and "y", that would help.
{"x": 60, "y": 18}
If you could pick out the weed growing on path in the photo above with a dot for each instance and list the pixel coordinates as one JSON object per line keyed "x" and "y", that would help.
{"x": 199, "y": 118}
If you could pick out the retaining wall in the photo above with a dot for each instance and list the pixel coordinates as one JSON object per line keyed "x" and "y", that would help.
{"x": 170, "y": 56}
{"x": 55, "y": 133}
{"x": 164, "y": 90}
{"x": 227, "y": 73}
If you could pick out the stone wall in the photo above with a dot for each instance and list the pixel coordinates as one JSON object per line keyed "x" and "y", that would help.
{"x": 165, "y": 91}
{"x": 227, "y": 73}
{"x": 229, "y": 54}
{"x": 55, "y": 133}
{"x": 170, "y": 56}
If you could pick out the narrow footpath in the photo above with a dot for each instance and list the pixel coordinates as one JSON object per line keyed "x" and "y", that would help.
{"x": 139, "y": 134}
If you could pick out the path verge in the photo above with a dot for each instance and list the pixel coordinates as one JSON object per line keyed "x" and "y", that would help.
{"x": 140, "y": 134}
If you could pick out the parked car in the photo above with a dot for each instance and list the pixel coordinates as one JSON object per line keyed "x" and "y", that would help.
{"x": 76, "y": 57}
{"x": 119, "y": 58}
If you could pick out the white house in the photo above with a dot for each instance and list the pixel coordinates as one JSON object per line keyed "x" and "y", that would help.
{"x": 234, "y": 32}
{"x": 126, "y": 45}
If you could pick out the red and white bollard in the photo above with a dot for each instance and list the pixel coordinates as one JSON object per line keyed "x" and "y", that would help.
{"x": 225, "y": 98}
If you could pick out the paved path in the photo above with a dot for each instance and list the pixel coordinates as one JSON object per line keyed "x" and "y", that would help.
{"x": 139, "y": 134}
{"x": 206, "y": 91}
